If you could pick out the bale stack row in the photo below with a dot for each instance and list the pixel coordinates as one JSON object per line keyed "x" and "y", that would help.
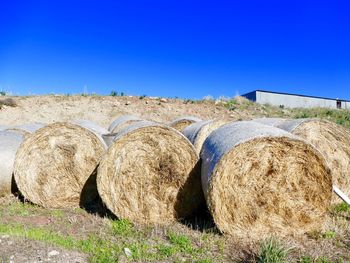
{"x": 256, "y": 178}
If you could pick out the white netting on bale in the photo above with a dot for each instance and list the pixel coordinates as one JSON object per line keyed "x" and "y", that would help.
{"x": 26, "y": 128}
{"x": 9, "y": 143}
{"x": 122, "y": 122}
{"x": 181, "y": 123}
{"x": 197, "y": 132}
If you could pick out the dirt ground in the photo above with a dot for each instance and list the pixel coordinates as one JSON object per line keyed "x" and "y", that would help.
{"x": 25, "y": 250}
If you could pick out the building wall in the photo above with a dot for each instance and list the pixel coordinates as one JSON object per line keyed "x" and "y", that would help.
{"x": 293, "y": 101}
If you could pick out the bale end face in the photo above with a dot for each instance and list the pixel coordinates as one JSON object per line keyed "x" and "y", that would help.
{"x": 269, "y": 186}
{"x": 150, "y": 175}
{"x": 333, "y": 141}
{"x": 53, "y": 164}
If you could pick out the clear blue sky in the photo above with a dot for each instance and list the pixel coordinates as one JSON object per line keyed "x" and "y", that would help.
{"x": 175, "y": 48}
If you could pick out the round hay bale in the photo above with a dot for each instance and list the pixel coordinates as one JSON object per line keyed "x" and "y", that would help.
{"x": 270, "y": 121}
{"x": 181, "y": 123}
{"x": 197, "y": 132}
{"x": 333, "y": 141}
{"x": 121, "y": 122}
{"x": 26, "y": 128}
{"x": 91, "y": 126}
{"x": 53, "y": 165}
{"x": 261, "y": 181}
{"x": 150, "y": 174}
{"x": 9, "y": 143}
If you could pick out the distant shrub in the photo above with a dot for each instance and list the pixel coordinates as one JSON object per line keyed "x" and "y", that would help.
{"x": 142, "y": 97}
{"x": 2, "y": 93}
{"x": 113, "y": 93}
{"x": 8, "y": 102}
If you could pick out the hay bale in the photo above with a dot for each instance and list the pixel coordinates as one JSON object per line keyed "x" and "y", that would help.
{"x": 270, "y": 121}
{"x": 91, "y": 126}
{"x": 197, "y": 132}
{"x": 181, "y": 123}
{"x": 150, "y": 174}
{"x": 121, "y": 122}
{"x": 260, "y": 181}
{"x": 332, "y": 140}
{"x": 9, "y": 143}
{"x": 53, "y": 164}
{"x": 25, "y": 129}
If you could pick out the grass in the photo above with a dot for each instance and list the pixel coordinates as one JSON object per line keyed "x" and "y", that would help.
{"x": 93, "y": 245}
{"x": 107, "y": 240}
{"x": 341, "y": 208}
{"x": 271, "y": 251}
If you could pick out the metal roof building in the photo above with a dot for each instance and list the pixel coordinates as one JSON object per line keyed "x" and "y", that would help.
{"x": 295, "y": 100}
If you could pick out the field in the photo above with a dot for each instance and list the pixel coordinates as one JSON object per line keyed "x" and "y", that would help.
{"x": 31, "y": 233}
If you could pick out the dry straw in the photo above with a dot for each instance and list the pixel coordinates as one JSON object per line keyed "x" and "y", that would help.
{"x": 52, "y": 165}
{"x": 122, "y": 122}
{"x": 332, "y": 140}
{"x": 260, "y": 181}
{"x": 9, "y": 143}
{"x": 197, "y": 132}
{"x": 181, "y": 123}
{"x": 150, "y": 174}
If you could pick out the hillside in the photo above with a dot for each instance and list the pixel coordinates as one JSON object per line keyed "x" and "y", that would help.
{"x": 103, "y": 109}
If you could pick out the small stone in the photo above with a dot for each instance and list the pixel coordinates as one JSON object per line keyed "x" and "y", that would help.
{"x": 127, "y": 103}
{"x": 53, "y": 253}
{"x": 128, "y": 252}
{"x": 163, "y": 100}
{"x": 146, "y": 102}
{"x": 5, "y": 236}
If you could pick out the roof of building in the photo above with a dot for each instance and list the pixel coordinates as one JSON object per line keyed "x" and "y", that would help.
{"x": 284, "y": 93}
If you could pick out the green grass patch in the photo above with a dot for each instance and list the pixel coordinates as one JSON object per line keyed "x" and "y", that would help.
{"x": 100, "y": 250}
{"x": 20, "y": 209}
{"x": 122, "y": 227}
{"x": 329, "y": 234}
{"x": 182, "y": 242}
{"x": 341, "y": 208}
{"x": 271, "y": 251}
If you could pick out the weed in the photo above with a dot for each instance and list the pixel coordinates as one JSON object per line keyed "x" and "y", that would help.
{"x": 328, "y": 234}
{"x": 19, "y": 209}
{"x": 57, "y": 213}
{"x": 342, "y": 207}
{"x": 166, "y": 250}
{"x": 272, "y": 251}
{"x": 100, "y": 250}
{"x": 181, "y": 241}
{"x": 306, "y": 259}
{"x": 122, "y": 227}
